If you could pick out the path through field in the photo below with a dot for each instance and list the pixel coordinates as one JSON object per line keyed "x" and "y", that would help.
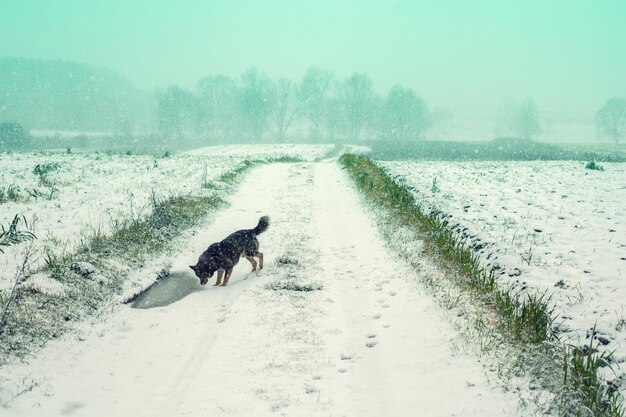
{"x": 334, "y": 325}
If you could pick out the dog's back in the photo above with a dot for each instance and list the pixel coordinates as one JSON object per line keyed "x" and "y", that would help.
{"x": 242, "y": 240}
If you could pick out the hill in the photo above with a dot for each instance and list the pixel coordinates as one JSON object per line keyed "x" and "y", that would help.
{"x": 64, "y": 95}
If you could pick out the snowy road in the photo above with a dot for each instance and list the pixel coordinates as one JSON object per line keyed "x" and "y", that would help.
{"x": 364, "y": 341}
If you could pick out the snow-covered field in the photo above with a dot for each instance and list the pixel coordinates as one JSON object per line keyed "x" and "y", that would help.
{"x": 334, "y": 324}
{"x": 87, "y": 193}
{"x": 543, "y": 226}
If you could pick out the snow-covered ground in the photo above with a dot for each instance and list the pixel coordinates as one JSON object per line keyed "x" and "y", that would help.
{"x": 544, "y": 226}
{"x": 87, "y": 193}
{"x": 333, "y": 325}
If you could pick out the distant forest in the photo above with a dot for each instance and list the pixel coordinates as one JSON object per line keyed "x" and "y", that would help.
{"x": 317, "y": 108}
{"x": 66, "y": 96}
{"x": 57, "y": 96}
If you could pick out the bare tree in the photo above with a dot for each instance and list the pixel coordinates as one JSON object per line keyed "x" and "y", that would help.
{"x": 176, "y": 111}
{"x": 357, "y": 98}
{"x": 527, "y": 120}
{"x": 308, "y": 99}
{"x": 313, "y": 93}
{"x": 406, "y": 116}
{"x": 256, "y": 102}
{"x": 218, "y": 100}
{"x": 333, "y": 119}
{"x": 611, "y": 119}
{"x": 287, "y": 105}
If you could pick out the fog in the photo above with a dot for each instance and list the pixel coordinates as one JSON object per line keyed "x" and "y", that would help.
{"x": 475, "y": 65}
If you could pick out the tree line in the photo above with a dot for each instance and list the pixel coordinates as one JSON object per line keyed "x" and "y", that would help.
{"x": 611, "y": 119}
{"x": 319, "y": 108}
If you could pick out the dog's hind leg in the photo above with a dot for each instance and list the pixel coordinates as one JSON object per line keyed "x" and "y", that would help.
{"x": 252, "y": 261}
{"x": 220, "y": 275}
{"x": 260, "y": 256}
{"x": 227, "y": 276}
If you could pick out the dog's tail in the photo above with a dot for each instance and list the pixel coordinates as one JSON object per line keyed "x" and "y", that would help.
{"x": 264, "y": 223}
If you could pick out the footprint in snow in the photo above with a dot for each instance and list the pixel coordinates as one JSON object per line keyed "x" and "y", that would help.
{"x": 310, "y": 389}
{"x": 70, "y": 407}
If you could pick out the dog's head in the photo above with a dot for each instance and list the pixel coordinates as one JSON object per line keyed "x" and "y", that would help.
{"x": 204, "y": 272}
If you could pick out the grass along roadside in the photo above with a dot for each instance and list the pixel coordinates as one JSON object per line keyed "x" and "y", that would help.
{"x": 524, "y": 322}
{"x": 72, "y": 287}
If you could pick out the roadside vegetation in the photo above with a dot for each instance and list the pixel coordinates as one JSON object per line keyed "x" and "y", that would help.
{"x": 10, "y": 193}
{"x": 525, "y": 322}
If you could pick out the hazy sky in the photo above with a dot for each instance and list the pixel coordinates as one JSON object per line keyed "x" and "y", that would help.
{"x": 570, "y": 56}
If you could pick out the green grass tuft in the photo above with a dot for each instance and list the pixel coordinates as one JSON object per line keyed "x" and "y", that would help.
{"x": 594, "y": 166}
{"x": 13, "y": 234}
{"x": 45, "y": 169}
{"x": 10, "y": 193}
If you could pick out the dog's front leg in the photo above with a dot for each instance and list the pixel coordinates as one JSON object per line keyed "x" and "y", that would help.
{"x": 220, "y": 275}
{"x": 227, "y": 276}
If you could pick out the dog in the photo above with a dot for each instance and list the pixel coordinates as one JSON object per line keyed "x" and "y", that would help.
{"x": 223, "y": 256}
